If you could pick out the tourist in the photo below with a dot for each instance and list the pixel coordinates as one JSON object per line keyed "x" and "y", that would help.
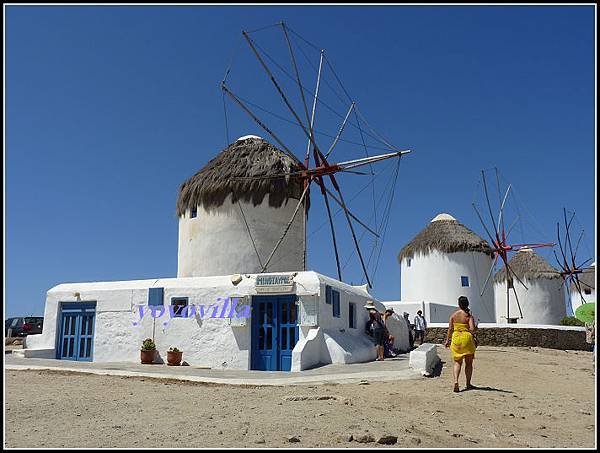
{"x": 420, "y": 326}
{"x": 376, "y": 327}
{"x": 389, "y": 343}
{"x": 461, "y": 326}
{"x": 411, "y": 340}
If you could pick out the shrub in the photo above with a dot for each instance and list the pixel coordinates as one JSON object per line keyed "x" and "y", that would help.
{"x": 571, "y": 321}
{"x": 148, "y": 345}
{"x": 172, "y": 349}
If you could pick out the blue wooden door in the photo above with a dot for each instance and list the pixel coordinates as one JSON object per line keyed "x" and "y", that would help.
{"x": 274, "y": 332}
{"x": 76, "y": 337}
{"x": 288, "y": 332}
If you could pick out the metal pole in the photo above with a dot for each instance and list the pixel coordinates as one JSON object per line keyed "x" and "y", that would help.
{"x": 306, "y": 159}
{"x": 314, "y": 107}
{"x": 337, "y": 137}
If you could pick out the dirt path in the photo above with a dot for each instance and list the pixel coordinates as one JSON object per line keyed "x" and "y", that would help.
{"x": 533, "y": 398}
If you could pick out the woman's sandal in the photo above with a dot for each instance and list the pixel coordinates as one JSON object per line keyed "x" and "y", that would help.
{"x": 456, "y": 389}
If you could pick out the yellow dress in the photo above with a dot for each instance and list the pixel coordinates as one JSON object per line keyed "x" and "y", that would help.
{"x": 462, "y": 341}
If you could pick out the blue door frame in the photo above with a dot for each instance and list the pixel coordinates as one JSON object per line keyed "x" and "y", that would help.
{"x": 274, "y": 332}
{"x": 76, "y": 334}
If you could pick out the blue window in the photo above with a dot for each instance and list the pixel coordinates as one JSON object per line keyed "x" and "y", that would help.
{"x": 194, "y": 213}
{"x": 328, "y": 294}
{"x": 155, "y": 296}
{"x": 464, "y": 280}
{"x": 352, "y": 315}
{"x": 335, "y": 298}
{"x": 179, "y": 307}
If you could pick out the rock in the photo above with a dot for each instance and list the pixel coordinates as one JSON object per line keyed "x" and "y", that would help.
{"x": 364, "y": 438}
{"x": 387, "y": 440}
{"x": 345, "y": 438}
{"x": 219, "y": 432}
{"x": 415, "y": 440}
{"x": 363, "y": 383}
{"x": 293, "y": 439}
{"x": 456, "y": 435}
{"x": 260, "y": 441}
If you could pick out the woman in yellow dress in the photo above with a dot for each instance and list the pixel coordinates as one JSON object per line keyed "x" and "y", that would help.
{"x": 461, "y": 326}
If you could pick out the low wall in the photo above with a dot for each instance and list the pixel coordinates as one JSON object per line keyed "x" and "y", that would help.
{"x": 543, "y": 336}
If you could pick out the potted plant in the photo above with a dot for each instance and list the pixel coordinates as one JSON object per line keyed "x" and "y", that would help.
{"x": 174, "y": 357}
{"x": 148, "y": 351}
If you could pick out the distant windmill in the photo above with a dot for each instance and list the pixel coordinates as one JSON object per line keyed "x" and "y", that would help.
{"x": 570, "y": 270}
{"x": 498, "y": 236}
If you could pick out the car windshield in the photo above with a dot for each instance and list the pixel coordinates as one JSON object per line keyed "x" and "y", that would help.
{"x": 34, "y": 320}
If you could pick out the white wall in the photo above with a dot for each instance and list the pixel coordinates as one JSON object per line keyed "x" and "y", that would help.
{"x": 216, "y": 242}
{"x": 204, "y": 341}
{"x": 436, "y": 278}
{"x": 542, "y": 303}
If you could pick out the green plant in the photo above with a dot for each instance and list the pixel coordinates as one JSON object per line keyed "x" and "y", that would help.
{"x": 173, "y": 349}
{"x": 148, "y": 345}
{"x": 571, "y": 321}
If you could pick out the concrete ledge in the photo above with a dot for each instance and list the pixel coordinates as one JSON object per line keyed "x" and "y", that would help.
{"x": 34, "y": 353}
{"x": 424, "y": 358}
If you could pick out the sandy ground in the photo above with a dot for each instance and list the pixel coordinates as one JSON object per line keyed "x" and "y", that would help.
{"x": 529, "y": 398}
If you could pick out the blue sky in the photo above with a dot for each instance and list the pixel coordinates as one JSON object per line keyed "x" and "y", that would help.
{"x": 109, "y": 109}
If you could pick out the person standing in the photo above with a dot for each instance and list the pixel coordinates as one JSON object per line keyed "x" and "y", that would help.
{"x": 461, "y": 326}
{"x": 376, "y": 326}
{"x": 420, "y": 327}
{"x": 411, "y": 339}
{"x": 389, "y": 343}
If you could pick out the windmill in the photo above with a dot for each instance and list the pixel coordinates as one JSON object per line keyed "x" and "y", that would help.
{"x": 499, "y": 238}
{"x": 570, "y": 271}
{"x": 320, "y": 171}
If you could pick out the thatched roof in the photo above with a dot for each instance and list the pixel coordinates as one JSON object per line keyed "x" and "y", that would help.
{"x": 249, "y": 156}
{"x": 445, "y": 234}
{"x": 527, "y": 264}
{"x": 587, "y": 279}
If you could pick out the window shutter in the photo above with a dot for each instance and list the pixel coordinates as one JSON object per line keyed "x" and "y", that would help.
{"x": 156, "y": 296}
{"x": 336, "y": 303}
{"x": 328, "y": 294}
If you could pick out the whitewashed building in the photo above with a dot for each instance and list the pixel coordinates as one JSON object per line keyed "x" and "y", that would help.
{"x": 221, "y": 310}
{"x": 444, "y": 261}
{"x": 542, "y": 301}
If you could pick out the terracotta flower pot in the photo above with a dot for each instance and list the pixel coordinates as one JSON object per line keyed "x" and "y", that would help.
{"x": 174, "y": 358}
{"x": 147, "y": 356}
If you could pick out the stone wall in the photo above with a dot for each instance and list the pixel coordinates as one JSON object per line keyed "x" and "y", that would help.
{"x": 512, "y": 336}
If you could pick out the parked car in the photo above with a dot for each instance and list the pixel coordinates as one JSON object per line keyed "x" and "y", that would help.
{"x": 23, "y": 326}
